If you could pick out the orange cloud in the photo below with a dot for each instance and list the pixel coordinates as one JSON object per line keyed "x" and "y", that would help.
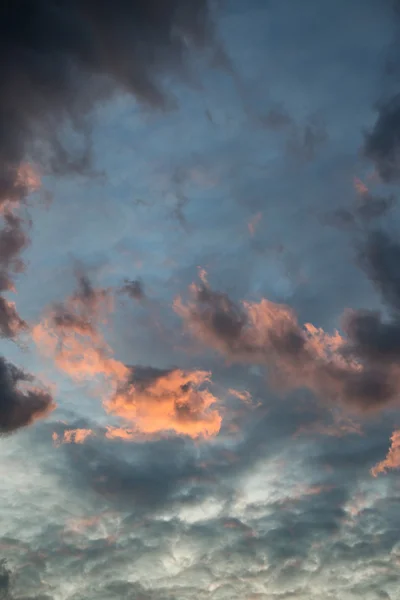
{"x": 71, "y": 334}
{"x": 72, "y": 436}
{"x": 295, "y": 356}
{"x": 244, "y": 396}
{"x": 170, "y": 401}
{"x": 29, "y": 177}
{"x": 120, "y": 433}
{"x": 81, "y": 356}
{"x": 392, "y": 460}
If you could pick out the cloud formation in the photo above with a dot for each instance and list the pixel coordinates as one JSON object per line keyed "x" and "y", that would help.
{"x": 20, "y": 402}
{"x": 52, "y": 55}
{"x": 392, "y": 460}
{"x": 382, "y": 143}
{"x": 71, "y": 335}
{"x": 134, "y": 289}
{"x": 13, "y": 240}
{"x": 350, "y": 369}
{"x": 157, "y": 400}
{"x": 148, "y": 400}
{"x": 179, "y": 486}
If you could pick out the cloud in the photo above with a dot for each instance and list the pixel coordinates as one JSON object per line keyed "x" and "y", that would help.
{"x": 349, "y": 369}
{"x": 72, "y": 436}
{"x": 13, "y": 240}
{"x": 157, "y": 400}
{"x": 5, "y": 577}
{"x": 304, "y": 143}
{"x": 392, "y": 460}
{"x": 276, "y": 118}
{"x": 150, "y": 400}
{"x": 134, "y": 289}
{"x": 71, "y": 334}
{"x": 378, "y": 256}
{"x": 11, "y": 324}
{"x": 85, "y": 310}
{"x": 58, "y": 61}
{"x": 369, "y": 207}
{"x": 20, "y": 403}
{"x": 382, "y": 143}
{"x": 373, "y": 206}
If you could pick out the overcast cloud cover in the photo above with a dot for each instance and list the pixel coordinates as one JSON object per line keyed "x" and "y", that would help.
{"x": 200, "y": 299}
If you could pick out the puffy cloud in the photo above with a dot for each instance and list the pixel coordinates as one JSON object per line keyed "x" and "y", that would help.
{"x": 11, "y": 324}
{"x": 150, "y": 400}
{"x": 71, "y": 334}
{"x": 296, "y": 356}
{"x": 392, "y": 460}
{"x": 20, "y": 402}
{"x": 72, "y": 436}
{"x": 156, "y": 400}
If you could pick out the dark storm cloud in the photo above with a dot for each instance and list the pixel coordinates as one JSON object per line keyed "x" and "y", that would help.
{"x": 19, "y": 407}
{"x": 51, "y": 51}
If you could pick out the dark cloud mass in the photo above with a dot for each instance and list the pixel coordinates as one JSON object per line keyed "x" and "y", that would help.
{"x": 51, "y": 51}
{"x": 19, "y": 407}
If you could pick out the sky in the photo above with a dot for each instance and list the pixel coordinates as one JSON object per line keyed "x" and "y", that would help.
{"x": 200, "y": 300}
